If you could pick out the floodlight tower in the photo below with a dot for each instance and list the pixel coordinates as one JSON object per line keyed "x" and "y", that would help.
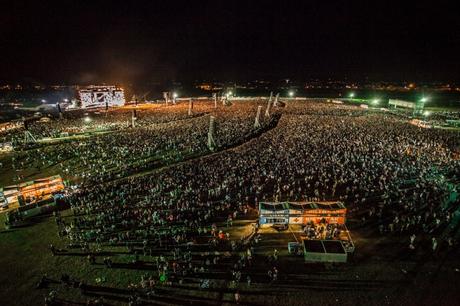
{"x": 166, "y": 97}
{"x": 257, "y": 122}
{"x": 190, "y": 107}
{"x": 215, "y": 99}
{"x": 58, "y": 106}
{"x": 211, "y": 141}
{"x": 174, "y": 97}
{"x": 133, "y": 118}
{"x": 269, "y": 104}
{"x": 276, "y": 99}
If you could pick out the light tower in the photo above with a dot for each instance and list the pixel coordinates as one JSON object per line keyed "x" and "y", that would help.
{"x": 174, "y": 97}
{"x": 276, "y": 99}
{"x": 269, "y": 104}
{"x": 190, "y": 107}
{"x": 166, "y": 97}
{"x": 211, "y": 141}
{"x": 214, "y": 96}
{"x": 256, "y": 121}
{"x": 133, "y": 118}
{"x": 58, "y": 106}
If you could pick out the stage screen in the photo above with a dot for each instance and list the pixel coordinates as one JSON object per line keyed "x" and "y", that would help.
{"x": 100, "y": 96}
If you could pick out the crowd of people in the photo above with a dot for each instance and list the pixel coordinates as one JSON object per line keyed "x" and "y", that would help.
{"x": 392, "y": 176}
{"x": 157, "y": 139}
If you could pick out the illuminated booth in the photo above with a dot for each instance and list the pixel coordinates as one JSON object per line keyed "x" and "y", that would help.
{"x": 31, "y": 192}
{"x": 273, "y": 213}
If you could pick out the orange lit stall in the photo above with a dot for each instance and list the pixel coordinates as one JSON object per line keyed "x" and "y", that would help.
{"x": 303, "y": 212}
{"x": 331, "y": 212}
{"x": 40, "y": 189}
{"x": 32, "y": 192}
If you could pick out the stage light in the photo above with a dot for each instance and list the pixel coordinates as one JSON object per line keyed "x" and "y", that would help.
{"x": 351, "y": 95}
{"x": 174, "y": 95}
{"x": 291, "y": 93}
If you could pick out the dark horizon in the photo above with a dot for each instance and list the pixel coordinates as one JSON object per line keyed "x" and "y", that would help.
{"x": 143, "y": 42}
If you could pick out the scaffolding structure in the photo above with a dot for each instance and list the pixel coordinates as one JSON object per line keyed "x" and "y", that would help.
{"x": 28, "y": 137}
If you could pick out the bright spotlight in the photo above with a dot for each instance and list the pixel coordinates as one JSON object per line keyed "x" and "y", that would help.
{"x": 174, "y": 95}
{"x": 351, "y": 95}
{"x": 426, "y": 113}
{"x": 87, "y": 119}
{"x": 375, "y": 101}
{"x": 43, "y": 101}
{"x": 291, "y": 93}
{"x": 66, "y": 100}
{"x": 230, "y": 93}
{"x": 424, "y": 99}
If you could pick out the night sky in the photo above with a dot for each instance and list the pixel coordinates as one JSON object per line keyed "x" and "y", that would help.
{"x": 152, "y": 41}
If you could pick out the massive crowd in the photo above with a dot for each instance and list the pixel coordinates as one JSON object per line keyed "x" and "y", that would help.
{"x": 392, "y": 175}
{"x": 158, "y": 138}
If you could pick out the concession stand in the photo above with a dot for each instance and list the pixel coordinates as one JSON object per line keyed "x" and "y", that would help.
{"x": 31, "y": 192}
{"x": 271, "y": 213}
{"x": 320, "y": 226}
